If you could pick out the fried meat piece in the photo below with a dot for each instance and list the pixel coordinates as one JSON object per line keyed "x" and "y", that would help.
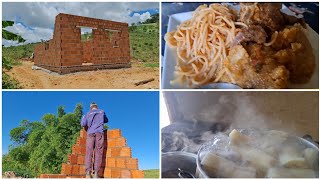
{"x": 267, "y": 15}
{"x": 294, "y": 50}
{"x": 254, "y": 33}
{"x": 241, "y": 62}
{"x": 289, "y": 59}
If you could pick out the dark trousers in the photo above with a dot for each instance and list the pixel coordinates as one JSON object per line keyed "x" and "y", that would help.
{"x": 95, "y": 142}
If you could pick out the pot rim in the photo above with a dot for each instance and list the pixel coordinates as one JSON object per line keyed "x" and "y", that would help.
{"x": 201, "y": 171}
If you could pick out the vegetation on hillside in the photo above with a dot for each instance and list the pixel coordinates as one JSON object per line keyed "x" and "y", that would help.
{"x": 144, "y": 40}
{"x": 41, "y": 146}
{"x": 7, "y": 63}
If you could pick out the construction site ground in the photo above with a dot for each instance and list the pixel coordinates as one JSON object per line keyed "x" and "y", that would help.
{"x": 102, "y": 79}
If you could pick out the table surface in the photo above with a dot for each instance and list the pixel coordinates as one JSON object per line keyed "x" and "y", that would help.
{"x": 168, "y": 9}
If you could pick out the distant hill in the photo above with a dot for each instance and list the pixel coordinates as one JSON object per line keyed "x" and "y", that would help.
{"x": 144, "y": 42}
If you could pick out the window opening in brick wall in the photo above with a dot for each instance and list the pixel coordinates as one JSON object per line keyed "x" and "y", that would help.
{"x": 86, "y": 33}
{"x": 113, "y": 36}
{"x": 109, "y": 35}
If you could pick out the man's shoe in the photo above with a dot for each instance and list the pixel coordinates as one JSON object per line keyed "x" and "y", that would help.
{"x": 96, "y": 176}
{"x": 88, "y": 175}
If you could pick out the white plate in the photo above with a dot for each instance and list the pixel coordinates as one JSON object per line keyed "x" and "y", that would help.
{"x": 170, "y": 55}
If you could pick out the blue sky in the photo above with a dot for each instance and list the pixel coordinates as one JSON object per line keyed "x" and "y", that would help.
{"x": 35, "y": 20}
{"x": 151, "y": 11}
{"x": 135, "y": 113}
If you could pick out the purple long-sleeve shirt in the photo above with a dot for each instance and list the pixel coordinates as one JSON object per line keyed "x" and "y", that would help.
{"x": 94, "y": 120}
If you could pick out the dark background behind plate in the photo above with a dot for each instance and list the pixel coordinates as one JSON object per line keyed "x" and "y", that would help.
{"x": 170, "y": 8}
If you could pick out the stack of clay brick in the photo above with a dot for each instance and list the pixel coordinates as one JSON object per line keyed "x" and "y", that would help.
{"x": 66, "y": 53}
{"x": 117, "y": 162}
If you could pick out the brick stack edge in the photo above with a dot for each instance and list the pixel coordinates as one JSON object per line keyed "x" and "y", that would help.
{"x": 118, "y": 161}
{"x": 66, "y": 53}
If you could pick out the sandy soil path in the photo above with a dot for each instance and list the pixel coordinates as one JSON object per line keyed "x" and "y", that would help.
{"x": 102, "y": 79}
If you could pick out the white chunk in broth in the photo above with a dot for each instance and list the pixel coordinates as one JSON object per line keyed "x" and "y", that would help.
{"x": 256, "y": 158}
{"x": 272, "y": 142}
{"x": 290, "y": 173}
{"x": 217, "y": 166}
{"x": 290, "y": 157}
{"x": 261, "y": 154}
{"x": 237, "y": 138}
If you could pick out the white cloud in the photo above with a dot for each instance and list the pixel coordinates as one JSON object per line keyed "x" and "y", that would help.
{"x": 30, "y": 35}
{"x": 139, "y": 17}
{"x": 41, "y": 16}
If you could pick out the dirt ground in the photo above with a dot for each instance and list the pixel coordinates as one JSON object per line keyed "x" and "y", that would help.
{"x": 102, "y": 79}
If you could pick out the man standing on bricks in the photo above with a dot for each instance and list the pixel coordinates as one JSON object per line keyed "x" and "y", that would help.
{"x": 94, "y": 121}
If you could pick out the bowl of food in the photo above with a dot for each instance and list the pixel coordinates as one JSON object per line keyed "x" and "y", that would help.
{"x": 251, "y": 45}
{"x": 248, "y": 153}
{"x": 178, "y": 165}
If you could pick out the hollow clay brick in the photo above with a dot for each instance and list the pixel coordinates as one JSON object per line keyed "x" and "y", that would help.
{"x": 125, "y": 152}
{"x": 115, "y": 173}
{"x": 111, "y": 162}
{"x": 120, "y": 163}
{"x": 82, "y": 169}
{"x": 66, "y": 169}
{"x": 72, "y": 158}
{"x": 137, "y": 174}
{"x": 75, "y": 169}
{"x": 107, "y": 173}
{"x": 80, "y": 159}
{"x": 81, "y": 141}
{"x": 125, "y": 173}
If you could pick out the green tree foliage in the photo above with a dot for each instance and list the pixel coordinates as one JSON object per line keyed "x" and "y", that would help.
{"x": 18, "y": 135}
{"x": 61, "y": 111}
{"x": 7, "y": 81}
{"x": 9, "y": 35}
{"x": 154, "y": 19}
{"x": 41, "y": 146}
{"x": 78, "y": 111}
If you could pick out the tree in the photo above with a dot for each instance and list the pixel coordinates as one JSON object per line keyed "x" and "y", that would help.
{"x": 78, "y": 111}
{"x": 153, "y": 19}
{"x": 41, "y": 146}
{"x": 18, "y": 135}
{"x": 49, "y": 120}
{"x": 61, "y": 111}
{"x": 7, "y": 81}
{"x": 9, "y": 35}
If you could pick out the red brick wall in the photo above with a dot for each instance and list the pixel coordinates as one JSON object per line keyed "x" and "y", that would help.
{"x": 117, "y": 163}
{"x": 66, "y": 48}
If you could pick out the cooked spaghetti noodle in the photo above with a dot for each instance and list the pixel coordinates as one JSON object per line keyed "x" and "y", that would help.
{"x": 202, "y": 45}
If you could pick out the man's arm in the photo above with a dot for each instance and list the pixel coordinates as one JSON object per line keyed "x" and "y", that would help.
{"x": 105, "y": 118}
{"x": 84, "y": 121}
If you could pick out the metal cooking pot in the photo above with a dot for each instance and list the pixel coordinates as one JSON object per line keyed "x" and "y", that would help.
{"x": 178, "y": 165}
{"x": 304, "y": 142}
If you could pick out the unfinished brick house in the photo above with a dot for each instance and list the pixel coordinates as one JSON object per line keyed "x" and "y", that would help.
{"x": 69, "y": 51}
{"x": 117, "y": 162}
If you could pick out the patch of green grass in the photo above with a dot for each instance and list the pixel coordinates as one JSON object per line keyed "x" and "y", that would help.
{"x": 14, "y": 53}
{"x": 151, "y": 173}
{"x": 151, "y": 64}
{"x": 144, "y": 42}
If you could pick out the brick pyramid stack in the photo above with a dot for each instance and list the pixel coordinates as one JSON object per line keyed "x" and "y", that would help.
{"x": 117, "y": 163}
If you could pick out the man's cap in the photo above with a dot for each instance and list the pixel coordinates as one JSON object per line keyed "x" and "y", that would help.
{"x": 93, "y": 104}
